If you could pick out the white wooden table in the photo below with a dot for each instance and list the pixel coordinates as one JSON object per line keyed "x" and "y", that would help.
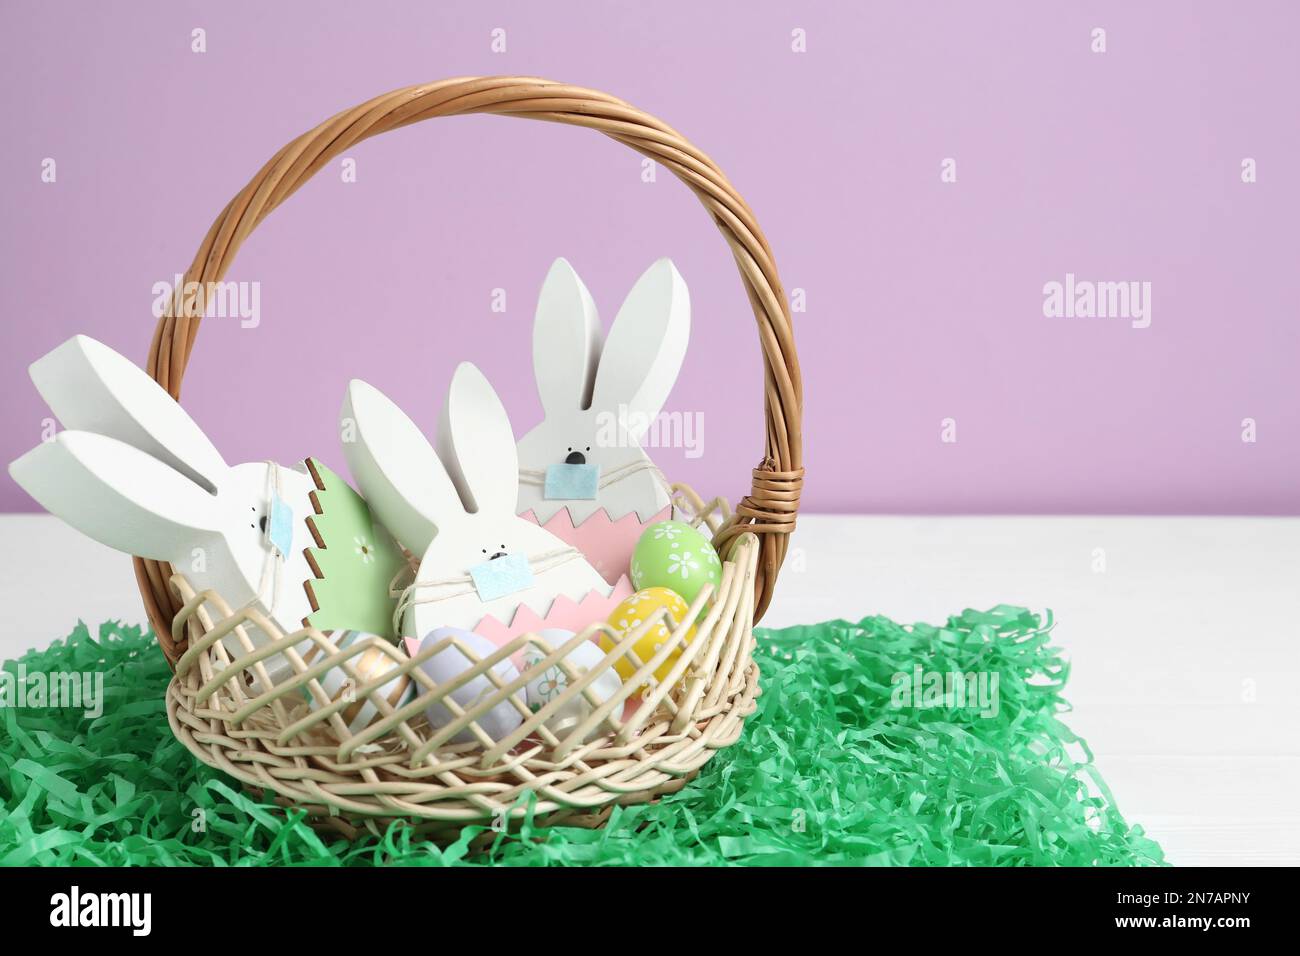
{"x": 1183, "y": 633}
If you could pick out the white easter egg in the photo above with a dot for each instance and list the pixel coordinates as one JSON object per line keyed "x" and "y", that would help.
{"x": 448, "y": 664}
{"x": 553, "y": 681}
{"x": 369, "y": 665}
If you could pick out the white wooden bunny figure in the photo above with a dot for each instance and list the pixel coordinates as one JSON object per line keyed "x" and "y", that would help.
{"x": 136, "y": 473}
{"x": 456, "y": 507}
{"x": 600, "y": 399}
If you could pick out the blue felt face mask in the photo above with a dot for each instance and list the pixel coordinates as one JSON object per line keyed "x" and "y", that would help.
{"x": 279, "y": 526}
{"x": 572, "y": 482}
{"x": 501, "y": 576}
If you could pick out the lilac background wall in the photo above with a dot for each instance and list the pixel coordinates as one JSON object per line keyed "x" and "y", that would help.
{"x": 924, "y": 298}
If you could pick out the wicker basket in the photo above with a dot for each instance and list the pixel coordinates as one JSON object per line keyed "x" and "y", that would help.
{"x": 651, "y": 738}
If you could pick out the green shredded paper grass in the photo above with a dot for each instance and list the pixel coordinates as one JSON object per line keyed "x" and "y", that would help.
{"x": 834, "y": 768}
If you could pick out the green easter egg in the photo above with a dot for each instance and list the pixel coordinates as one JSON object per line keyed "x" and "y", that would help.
{"x": 672, "y": 554}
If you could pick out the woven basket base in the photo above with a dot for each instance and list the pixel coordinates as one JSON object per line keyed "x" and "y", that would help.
{"x": 352, "y": 826}
{"x": 328, "y": 824}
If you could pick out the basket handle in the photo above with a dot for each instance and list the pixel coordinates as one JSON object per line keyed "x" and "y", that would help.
{"x": 768, "y": 510}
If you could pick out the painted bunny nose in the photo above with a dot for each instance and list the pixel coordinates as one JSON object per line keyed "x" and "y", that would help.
{"x": 575, "y": 458}
{"x": 499, "y": 554}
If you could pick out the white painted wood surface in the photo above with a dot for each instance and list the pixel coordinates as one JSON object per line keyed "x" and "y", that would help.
{"x": 1185, "y": 648}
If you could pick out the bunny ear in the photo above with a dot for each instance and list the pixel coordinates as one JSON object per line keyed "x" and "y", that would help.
{"x": 477, "y": 445}
{"x": 89, "y": 387}
{"x": 644, "y": 350}
{"x": 566, "y": 341}
{"x": 118, "y": 495}
{"x": 396, "y": 468}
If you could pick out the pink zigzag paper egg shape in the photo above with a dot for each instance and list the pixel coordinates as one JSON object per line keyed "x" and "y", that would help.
{"x": 565, "y": 613}
{"x": 607, "y": 544}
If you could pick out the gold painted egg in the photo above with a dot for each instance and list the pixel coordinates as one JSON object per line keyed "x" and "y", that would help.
{"x": 370, "y": 665}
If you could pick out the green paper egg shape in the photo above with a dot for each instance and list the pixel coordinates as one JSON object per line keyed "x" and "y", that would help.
{"x": 672, "y": 554}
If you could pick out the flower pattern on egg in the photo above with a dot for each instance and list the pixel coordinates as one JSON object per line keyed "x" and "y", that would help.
{"x": 678, "y": 556}
{"x": 552, "y": 684}
{"x": 682, "y": 563}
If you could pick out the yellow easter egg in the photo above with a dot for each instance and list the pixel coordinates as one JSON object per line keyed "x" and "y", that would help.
{"x": 634, "y": 612}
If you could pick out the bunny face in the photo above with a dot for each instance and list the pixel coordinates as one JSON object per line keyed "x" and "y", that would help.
{"x": 137, "y": 474}
{"x": 627, "y": 478}
{"x": 480, "y": 547}
{"x": 601, "y": 396}
{"x": 589, "y": 437}
{"x": 483, "y": 538}
{"x": 455, "y": 507}
{"x": 245, "y": 494}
